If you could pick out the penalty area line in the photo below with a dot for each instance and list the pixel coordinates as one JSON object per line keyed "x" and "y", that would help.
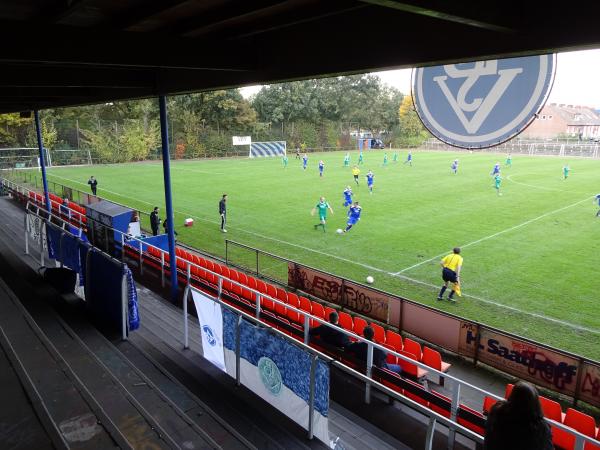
{"x": 491, "y": 236}
{"x": 377, "y": 269}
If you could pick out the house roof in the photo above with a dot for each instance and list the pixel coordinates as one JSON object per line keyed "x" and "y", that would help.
{"x": 70, "y": 52}
{"x": 574, "y": 114}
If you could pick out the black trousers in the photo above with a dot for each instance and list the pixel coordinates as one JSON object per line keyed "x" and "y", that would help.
{"x": 155, "y": 231}
{"x": 223, "y": 221}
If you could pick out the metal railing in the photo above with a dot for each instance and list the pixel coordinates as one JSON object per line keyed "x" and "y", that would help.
{"x": 435, "y": 418}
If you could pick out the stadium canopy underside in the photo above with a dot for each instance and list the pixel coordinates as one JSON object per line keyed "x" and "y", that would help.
{"x": 70, "y": 52}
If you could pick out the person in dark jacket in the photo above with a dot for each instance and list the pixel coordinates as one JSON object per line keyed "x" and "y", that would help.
{"x": 360, "y": 349}
{"x": 166, "y": 227}
{"x": 330, "y": 335}
{"x": 154, "y": 221}
{"x": 518, "y": 423}
{"x": 93, "y": 184}
{"x": 223, "y": 212}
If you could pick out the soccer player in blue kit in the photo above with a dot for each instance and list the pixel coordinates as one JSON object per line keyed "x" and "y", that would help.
{"x": 353, "y": 216}
{"x": 321, "y": 168}
{"x": 496, "y": 170}
{"x": 370, "y": 177}
{"x": 304, "y": 161}
{"x": 597, "y": 199}
{"x": 454, "y": 166}
{"x": 347, "y": 196}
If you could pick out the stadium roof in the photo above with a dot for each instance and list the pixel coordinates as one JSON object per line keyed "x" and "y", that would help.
{"x": 70, "y": 52}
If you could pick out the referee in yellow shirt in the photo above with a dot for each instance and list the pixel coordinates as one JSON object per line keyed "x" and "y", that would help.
{"x": 355, "y": 173}
{"x": 451, "y": 266}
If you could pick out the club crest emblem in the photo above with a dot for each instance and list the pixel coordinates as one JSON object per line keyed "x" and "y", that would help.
{"x": 483, "y": 103}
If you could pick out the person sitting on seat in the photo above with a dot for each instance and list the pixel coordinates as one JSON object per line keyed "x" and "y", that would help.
{"x": 518, "y": 423}
{"x": 359, "y": 349}
{"x": 329, "y": 335}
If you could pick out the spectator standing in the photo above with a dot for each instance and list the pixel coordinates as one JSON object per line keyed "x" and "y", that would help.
{"x": 330, "y": 335}
{"x": 93, "y": 184}
{"x": 451, "y": 266}
{"x": 518, "y": 423}
{"x": 360, "y": 349}
{"x": 223, "y": 212}
{"x": 154, "y": 221}
{"x": 166, "y": 227}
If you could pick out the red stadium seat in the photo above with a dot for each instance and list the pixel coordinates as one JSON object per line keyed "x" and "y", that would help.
{"x": 252, "y": 283}
{"x": 411, "y": 370}
{"x": 394, "y": 339}
{"x": 379, "y": 336}
{"x": 508, "y": 390}
{"x": 271, "y": 290}
{"x": 293, "y": 299}
{"x": 317, "y": 311}
{"x": 416, "y": 392}
{"x": 282, "y": 295}
{"x": 488, "y": 402}
{"x": 440, "y": 404}
{"x": 471, "y": 419}
{"x": 261, "y": 286}
{"x": 328, "y": 311}
{"x": 346, "y": 321}
{"x": 359, "y": 325}
{"x": 305, "y": 304}
{"x": 578, "y": 421}
{"x": 391, "y": 359}
{"x": 552, "y": 410}
{"x": 433, "y": 359}
{"x": 414, "y": 348}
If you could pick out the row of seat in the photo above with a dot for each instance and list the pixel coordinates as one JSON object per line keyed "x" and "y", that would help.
{"x": 76, "y": 215}
{"x": 573, "y": 418}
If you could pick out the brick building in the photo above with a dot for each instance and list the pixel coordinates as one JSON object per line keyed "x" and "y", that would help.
{"x": 560, "y": 119}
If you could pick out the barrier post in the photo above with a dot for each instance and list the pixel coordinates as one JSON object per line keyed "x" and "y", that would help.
{"x": 369, "y": 367}
{"x": 141, "y": 256}
{"x": 189, "y": 276}
{"x": 38, "y": 131}
{"x": 226, "y": 252}
{"x": 454, "y": 412}
{"x": 430, "y": 433}
{"x": 185, "y": 316}
{"x": 238, "y": 350}
{"x": 124, "y": 303}
{"x": 311, "y": 397}
{"x": 258, "y": 305}
{"x": 306, "y": 329}
{"x": 257, "y": 272}
{"x": 162, "y": 268}
{"x": 578, "y": 383}
{"x": 42, "y": 228}
{"x": 26, "y": 235}
{"x": 122, "y": 247}
{"x": 579, "y": 442}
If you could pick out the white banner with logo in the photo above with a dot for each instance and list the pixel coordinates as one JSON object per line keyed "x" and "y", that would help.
{"x": 211, "y": 328}
{"x": 242, "y": 140}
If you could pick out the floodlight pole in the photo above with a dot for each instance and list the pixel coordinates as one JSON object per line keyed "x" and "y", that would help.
{"x": 38, "y": 130}
{"x": 164, "y": 136}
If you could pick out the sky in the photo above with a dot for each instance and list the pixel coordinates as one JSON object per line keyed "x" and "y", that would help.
{"x": 577, "y": 80}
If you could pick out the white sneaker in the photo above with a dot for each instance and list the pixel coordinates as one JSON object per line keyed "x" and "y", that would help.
{"x": 224, "y": 230}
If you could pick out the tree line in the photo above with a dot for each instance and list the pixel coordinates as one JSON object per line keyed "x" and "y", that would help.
{"x": 318, "y": 113}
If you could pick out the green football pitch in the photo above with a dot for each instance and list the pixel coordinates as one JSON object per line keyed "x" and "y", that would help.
{"x": 530, "y": 255}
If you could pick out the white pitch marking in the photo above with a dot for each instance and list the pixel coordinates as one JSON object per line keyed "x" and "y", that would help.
{"x": 536, "y": 187}
{"x": 366, "y": 266}
{"x": 491, "y": 236}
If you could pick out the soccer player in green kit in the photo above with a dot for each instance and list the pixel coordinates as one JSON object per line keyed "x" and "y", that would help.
{"x": 497, "y": 182}
{"x": 322, "y": 208}
{"x": 508, "y": 162}
{"x": 385, "y": 159}
{"x": 360, "y": 158}
{"x": 284, "y": 161}
{"x": 566, "y": 170}
{"x": 395, "y": 157}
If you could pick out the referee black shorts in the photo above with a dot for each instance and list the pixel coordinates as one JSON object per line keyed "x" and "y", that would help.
{"x": 448, "y": 275}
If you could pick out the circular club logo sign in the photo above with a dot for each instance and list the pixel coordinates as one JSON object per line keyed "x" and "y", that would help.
{"x": 270, "y": 375}
{"x": 210, "y": 336}
{"x": 483, "y": 103}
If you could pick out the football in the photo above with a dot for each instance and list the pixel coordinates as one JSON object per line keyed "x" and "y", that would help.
{"x": 370, "y": 279}
{"x": 339, "y": 231}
